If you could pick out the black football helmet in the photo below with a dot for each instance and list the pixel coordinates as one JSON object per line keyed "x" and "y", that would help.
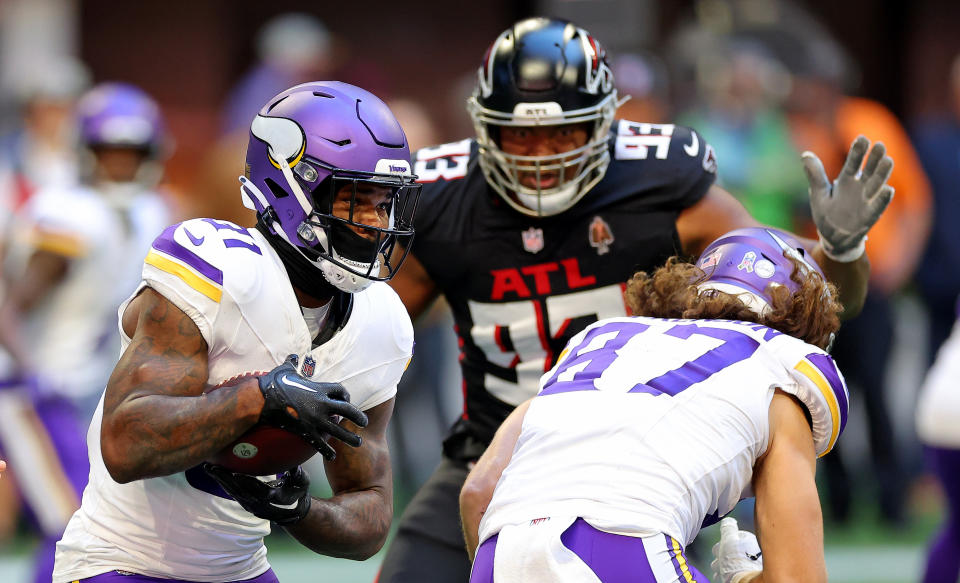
{"x": 543, "y": 72}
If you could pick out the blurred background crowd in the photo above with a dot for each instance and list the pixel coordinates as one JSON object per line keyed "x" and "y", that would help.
{"x": 761, "y": 80}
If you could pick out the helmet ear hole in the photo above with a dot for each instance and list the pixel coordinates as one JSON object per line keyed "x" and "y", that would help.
{"x": 275, "y": 188}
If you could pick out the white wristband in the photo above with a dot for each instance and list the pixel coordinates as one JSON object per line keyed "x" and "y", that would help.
{"x": 847, "y": 256}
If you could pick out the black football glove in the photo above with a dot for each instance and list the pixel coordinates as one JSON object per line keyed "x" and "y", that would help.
{"x": 285, "y": 500}
{"x": 308, "y": 408}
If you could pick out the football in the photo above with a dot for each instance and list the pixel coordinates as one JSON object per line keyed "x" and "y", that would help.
{"x": 263, "y": 450}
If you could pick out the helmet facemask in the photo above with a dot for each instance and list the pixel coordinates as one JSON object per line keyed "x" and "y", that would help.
{"x": 577, "y": 170}
{"x": 335, "y": 232}
{"x": 543, "y": 73}
{"x": 328, "y": 237}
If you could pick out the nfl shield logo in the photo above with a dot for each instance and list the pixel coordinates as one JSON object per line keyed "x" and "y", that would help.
{"x": 532, "y": 239}
{"x": 309, "y": 365}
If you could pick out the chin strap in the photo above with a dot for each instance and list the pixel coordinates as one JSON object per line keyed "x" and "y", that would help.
{"x": 303, "y": 275}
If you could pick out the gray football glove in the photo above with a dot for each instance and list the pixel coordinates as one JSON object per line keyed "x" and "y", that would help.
{"x": 737, "y": 557}
{"x": 844, "y": 211}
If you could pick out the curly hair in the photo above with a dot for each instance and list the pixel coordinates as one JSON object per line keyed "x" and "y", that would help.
{"x": 810, "y": 314}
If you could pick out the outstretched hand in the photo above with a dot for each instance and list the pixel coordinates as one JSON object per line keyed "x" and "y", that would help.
{"x": 309, "y": 409}
{"x": 844, "y": 211}
{"x": 737, "y": 557}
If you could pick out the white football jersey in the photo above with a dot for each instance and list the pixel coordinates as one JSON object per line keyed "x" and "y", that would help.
{"x": 231, "y": 282}
{"x": 661, "y": 422}
{"x": 71, "y": 332}
{"x": 938, "y": 407}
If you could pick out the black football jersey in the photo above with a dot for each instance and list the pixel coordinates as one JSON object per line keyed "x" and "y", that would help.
{"x": 519, "y": 286}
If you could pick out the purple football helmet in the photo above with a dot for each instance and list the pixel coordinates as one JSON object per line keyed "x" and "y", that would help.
{"x": 120, "y": 115}
{"x": 747, "y": 262}
{"x": 306, "y": 144}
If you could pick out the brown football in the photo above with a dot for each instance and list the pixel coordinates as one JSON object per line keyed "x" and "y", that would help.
{"x": 264, "y": 449}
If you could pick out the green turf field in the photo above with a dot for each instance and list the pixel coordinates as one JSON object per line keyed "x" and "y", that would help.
{"x": 864, "y": 553}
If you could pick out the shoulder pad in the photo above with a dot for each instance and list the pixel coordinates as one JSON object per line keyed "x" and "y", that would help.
{"x": 443, "y": 162}
{"x": 193, "y": 263}
{"x": 71, "y": 214}
{"x": 199, "y": 251}
{"x": 820, "y": 386}
{"x": 390, "y": 312}
{"x": 641, "y": 141}
{"x": 188, "y": 252}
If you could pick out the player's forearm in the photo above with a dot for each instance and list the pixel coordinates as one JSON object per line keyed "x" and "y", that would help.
{"x": 353, "y": 525}
{"x": 787, "y": 511}
{"x": 156, "y": 435}
{"x": 850, "y": 278}
{"x": 471, "y": 512}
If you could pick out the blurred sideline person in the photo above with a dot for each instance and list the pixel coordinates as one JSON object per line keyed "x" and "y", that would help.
{"x": 823, "y": 119}
{"x": 741, "y": 114}
{"x": 649, "y": 427}
{"x": 76, "y": 253}
{"x": 549, "y": 210}
{"x": 41, "y": 151}
{"x": 645, "y": 78}
{"x": 328, "y": 175}
{"x": 291, "y": 48}
{"x": 938, "y": 278}
{"x": 938, "y": 425}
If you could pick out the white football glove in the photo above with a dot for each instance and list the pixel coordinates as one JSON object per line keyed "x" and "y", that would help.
{"x": 737, "y": 557}
{"x": 845, "y": 211}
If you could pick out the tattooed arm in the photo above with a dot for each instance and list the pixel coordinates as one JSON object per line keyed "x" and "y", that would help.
{"x": 156, "y": 419}
{"x": 353, "y": 523}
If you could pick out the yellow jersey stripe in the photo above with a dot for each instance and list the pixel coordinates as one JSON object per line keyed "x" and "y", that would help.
{"x": 57, "y": 243}
{"x": 189, "y": 276}
{"x": 814, "y": 374}
{"x": 682, "y": 561}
